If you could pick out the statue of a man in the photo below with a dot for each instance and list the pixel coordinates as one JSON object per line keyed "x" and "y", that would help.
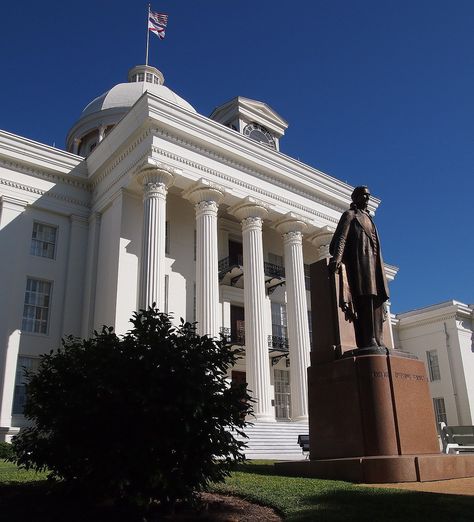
{"x": 356, "y": 255}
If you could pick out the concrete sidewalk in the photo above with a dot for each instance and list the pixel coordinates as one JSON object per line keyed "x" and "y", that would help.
{"x": 464, "y": 486}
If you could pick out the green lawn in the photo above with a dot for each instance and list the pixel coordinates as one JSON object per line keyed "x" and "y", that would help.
{"x": 303, "y": 499}
{"x": 10, "y": 474}
{"x": 26, "y": 496}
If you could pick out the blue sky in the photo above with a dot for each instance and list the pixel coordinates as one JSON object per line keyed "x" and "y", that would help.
{"x": 375, "y": 92}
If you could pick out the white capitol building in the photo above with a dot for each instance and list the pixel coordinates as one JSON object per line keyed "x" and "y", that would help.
{"x": 153, "y": 202}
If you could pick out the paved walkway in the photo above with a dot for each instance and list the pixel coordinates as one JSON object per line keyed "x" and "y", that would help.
{"x": 463, "y": 486}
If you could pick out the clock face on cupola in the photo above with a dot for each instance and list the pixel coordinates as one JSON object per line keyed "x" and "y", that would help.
{"x": 253, "y": 119}
{"x": 259, "y": 133}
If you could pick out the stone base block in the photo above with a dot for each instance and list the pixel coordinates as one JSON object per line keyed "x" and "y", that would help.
{"x": 7, "y": 433}
{"x": 380, "y": 469}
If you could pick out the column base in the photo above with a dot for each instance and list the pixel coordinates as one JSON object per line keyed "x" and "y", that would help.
{"x": 8, "y": 432}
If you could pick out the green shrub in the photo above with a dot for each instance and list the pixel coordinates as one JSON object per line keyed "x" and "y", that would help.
{"x": 140, "y": 417}
{"x": 6, "y": 450}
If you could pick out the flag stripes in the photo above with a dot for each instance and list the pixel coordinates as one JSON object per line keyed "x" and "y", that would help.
{"x": 157, "y": 23}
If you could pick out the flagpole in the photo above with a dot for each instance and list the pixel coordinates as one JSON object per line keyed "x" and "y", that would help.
{"x": 147, "y": 35}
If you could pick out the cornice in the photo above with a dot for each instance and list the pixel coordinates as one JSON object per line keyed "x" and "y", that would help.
{"x": 390, "y": 271}
{"x": 238, "y": 182}
{"x": 33, "y": 152}
{"x": 242, "y": 146}
{"x": 448, "y": 309}
{"x": 436, "y": 314}
{"x": 406, "y": 324}
{"x": 43, "y": 193}
{"x": 44, "y": 174}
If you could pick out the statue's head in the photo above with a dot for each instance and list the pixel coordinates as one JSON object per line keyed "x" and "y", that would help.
{"x": 360, "y": 196}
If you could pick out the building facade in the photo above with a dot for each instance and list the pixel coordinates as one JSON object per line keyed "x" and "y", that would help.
{"x": 155, "y": 203}
{"x": 443, "y": 337}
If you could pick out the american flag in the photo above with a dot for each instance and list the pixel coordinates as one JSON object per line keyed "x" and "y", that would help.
{"x": 157, "y": 23}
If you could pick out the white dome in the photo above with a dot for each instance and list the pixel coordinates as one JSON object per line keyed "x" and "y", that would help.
{"x": 103, "y": 113}
{"x": 126, "y": 94}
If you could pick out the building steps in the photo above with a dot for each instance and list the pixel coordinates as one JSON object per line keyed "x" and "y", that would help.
{"x": 274, "y": 440}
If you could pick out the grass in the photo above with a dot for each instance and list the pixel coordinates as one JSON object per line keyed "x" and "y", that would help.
{"x": 10, "y": 474}
{"x": 25, "y": 495}
{"x": 305, "y": 500}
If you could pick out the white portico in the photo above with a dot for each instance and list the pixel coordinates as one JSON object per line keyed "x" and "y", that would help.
{"x": 155, "y": 203}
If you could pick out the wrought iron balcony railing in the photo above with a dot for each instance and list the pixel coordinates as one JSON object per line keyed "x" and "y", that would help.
{"x": 237, "y": 336}
{"x": 273, "y": 270}
{"x": 276, "y": 343}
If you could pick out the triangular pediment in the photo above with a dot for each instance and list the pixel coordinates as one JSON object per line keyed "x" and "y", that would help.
{"x": 249, "y": 111}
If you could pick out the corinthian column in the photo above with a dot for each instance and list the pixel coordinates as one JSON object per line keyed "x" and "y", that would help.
{"x": 251, "y": 214}
{"x": 155, "y": 178}
{"x": 291, "y": 227}
{"x": 206, "y": 198}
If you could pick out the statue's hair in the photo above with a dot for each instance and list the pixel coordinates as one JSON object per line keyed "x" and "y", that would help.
{"x": 357, "y": 191}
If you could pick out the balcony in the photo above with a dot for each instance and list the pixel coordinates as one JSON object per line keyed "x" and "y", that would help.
{"x": 277, "y": 344}
{"x": 231, "y": 270}
{"x": 231, "y": 273}
{"x": 274, "y": 276}
{"x": 236, "y": 336}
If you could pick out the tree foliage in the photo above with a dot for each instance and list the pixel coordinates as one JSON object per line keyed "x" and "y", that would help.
{"x": 147, "y": 416}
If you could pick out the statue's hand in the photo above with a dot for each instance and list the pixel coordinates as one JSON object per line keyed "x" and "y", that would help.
{"x": 334, "y": 266}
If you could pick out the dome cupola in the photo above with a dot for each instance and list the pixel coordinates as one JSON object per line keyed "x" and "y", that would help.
{"x": 103, "y": 113}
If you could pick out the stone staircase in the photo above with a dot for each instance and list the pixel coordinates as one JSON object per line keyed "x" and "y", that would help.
{"x": 275, "y": 440}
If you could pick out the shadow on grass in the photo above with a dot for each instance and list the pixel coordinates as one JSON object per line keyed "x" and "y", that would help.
{"x": 357, "y": 503}
{"x": 43, "y": 501}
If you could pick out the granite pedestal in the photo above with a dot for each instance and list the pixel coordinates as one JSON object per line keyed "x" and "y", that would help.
{"x": 371, "y": 417}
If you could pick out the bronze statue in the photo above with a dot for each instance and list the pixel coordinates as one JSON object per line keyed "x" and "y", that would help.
{"x": 356, "y": 256}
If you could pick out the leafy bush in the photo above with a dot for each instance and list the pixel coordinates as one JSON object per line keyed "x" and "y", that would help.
{"x": 6, "y": 450}
{"x": 140, "y": 417}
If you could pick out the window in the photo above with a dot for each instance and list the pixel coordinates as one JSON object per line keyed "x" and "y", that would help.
{"x": 149, "y": 77}
{"x": 282, "y": 394}
{"x": 140, "y": 77}
{"x": 43, "y": 240}
{"x": 36, "y": 307}
{"x": 433, "y": 365}
{"x": 279, "y": 323}
{"x": 167, "y": 237}
{"x": 440, "y": 411}
{"x": 19, "y": 397}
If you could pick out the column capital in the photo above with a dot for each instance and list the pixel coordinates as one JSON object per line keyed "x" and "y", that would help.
{"x": 293, "y": 237}
{"x": 249, "y": 208}
{"x": 322, "y": 237}
{"x": 204, "y": 191}
{"x": 156, "y": 176}
{"x": 291, "y": 222}
{"x": 321, "y": 240}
